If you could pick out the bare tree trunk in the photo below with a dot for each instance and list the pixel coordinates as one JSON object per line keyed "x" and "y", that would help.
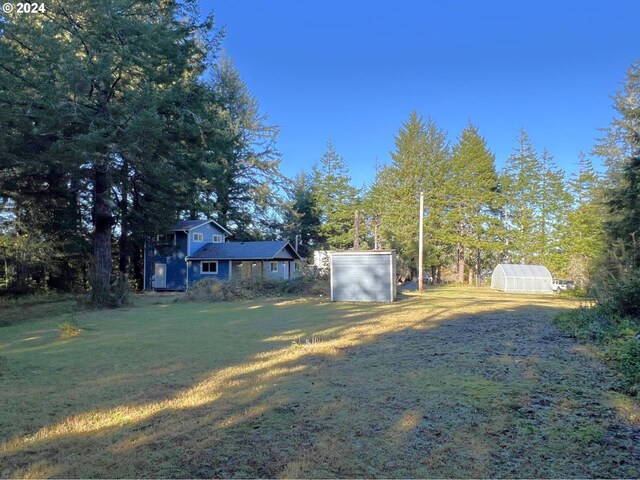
{"x": 137, "y": 261}
{"x": 460, "y": 263}
{"x": 102, "y": 223}
{"x": 124, "y": 223}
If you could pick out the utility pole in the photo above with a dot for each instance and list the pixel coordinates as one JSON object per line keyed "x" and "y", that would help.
{"x": 420, "y": 246}
{"x": 356, "y": 231}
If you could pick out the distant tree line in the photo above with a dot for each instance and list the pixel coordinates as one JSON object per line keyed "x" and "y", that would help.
{"x": 475, "y": 216}
{"x": 585, "y": 227}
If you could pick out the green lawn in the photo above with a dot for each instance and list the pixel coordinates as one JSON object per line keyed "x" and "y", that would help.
{"x": 454, "y": 383}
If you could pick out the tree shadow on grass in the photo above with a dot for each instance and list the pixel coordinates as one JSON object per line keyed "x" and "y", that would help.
{"x": 464, "y": 387}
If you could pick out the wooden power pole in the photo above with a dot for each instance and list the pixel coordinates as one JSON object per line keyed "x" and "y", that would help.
{"x": 356, "y": 231}
{"x": 420, "y": 245}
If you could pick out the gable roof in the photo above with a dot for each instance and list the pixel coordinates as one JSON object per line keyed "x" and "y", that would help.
{"x": 244, "y": 251}
{"x": 186, "y": 225}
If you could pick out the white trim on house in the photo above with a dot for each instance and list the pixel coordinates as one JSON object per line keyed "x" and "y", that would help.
{"x": 163, "y": 268}
{"x": 208, "y": 262}
{"x": 217, "y": 238}
{"x": 204, "y": 222}
{"x": 198, "y": 237}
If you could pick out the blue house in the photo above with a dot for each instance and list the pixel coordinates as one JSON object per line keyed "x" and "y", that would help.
{"x": 196, "y": 249}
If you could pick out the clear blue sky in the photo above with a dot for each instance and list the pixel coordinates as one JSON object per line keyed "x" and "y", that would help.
{"x": 352, "y": 71}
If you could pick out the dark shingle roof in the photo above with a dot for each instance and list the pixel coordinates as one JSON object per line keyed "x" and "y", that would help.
{"x": 189, "y": 224}
{"x": 242, "y": 251}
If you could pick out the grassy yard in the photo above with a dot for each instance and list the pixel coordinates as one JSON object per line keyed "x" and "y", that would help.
{"x": 454, "y": 383}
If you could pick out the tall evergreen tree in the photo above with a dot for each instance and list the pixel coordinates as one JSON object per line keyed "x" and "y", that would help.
{"x": 583, "y": 237}
{"x": 420, "y": 162}
{"x": 554, "y": 205}
{"x": 623, "y": 138}
{"x": 521, "y": 183}
{"x": 98, "y": 92}
{"x": 335, "y": 198}
{"x": 474, "y": 202}
{"x": 301, "y": 215}
{"x": 244, "y": 179}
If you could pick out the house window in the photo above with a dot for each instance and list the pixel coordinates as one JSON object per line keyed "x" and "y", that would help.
{"x": 198, "y": 237}
{"x": 295, "y": 267}
{"x": 166, "y": 239}
{"x": 210, "y": 268}
{"x": 217, "y": 239}
{"x": 273, "y": 266}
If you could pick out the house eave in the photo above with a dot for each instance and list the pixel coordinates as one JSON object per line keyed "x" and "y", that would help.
{"x": 238, "y": 259}
{"x": 204, "y": 222}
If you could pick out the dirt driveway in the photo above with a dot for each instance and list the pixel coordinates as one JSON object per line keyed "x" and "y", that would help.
{"x": 481, "y": 385}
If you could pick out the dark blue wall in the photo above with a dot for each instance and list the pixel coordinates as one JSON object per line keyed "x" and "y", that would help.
{"x": 195, "y": 272}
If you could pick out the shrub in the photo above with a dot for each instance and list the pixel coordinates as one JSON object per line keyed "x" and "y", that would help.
{"x": 617, "y": 337}
{"x": 70, "y": 328}
{"x": 116, "y": 295}
{"x": 212, "y": 290}
{"x": 624, "y": 296}
{"x": 626, "y": 360}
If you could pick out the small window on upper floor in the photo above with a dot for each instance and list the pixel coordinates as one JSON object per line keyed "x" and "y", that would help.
{"x": 217, "y": 239}
{"x": 198, "y": 237}
{"x": 166, "y": 239}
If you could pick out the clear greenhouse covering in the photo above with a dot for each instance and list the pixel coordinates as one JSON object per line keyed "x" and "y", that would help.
{"x": 521, "y": 278}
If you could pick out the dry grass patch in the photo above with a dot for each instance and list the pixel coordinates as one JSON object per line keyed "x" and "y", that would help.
{"x": 453, "y": 383}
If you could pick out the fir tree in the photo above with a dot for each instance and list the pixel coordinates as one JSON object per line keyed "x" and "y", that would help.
{"x": 583, "y": 238}
{"x": 474, "y": 201}
{"x": 301, "y": 215}
{"x": 101, "y": 91}
{"x": 624, "y": 169}
{"x": 336, "y": 200}
{"x": 419, "y": 163}
{"x": 554, "y": 204}
{"x": 521, "y": 183}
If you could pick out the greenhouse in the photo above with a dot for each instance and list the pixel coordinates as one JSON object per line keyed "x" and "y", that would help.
{"x": 521, "y": 278}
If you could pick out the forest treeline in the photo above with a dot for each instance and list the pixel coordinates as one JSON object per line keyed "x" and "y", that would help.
{"x": 119, "y": 118}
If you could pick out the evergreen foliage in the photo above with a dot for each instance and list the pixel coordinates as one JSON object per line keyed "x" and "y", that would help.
{"x": 583, "y": 237}
{"x": 301, "y": 216}
{"x": 420, "y": 162}
{"x": 521, "y": 184}
{"x": 474, "y": 202}
{"x": 336, "y": 200}
{"x": 110, "y": 133}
